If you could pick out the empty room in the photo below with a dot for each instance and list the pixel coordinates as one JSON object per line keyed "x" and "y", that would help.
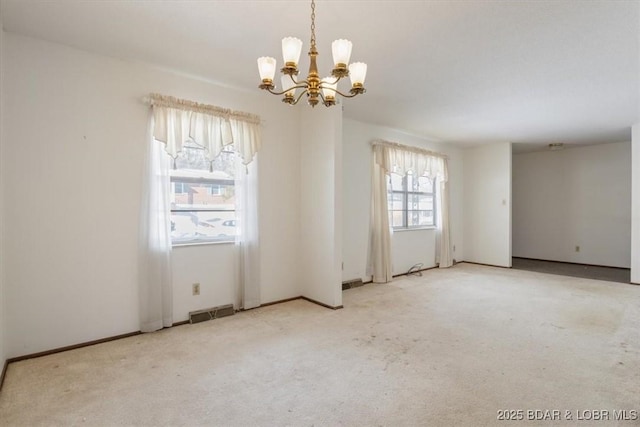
{"x": 329, "y": 213}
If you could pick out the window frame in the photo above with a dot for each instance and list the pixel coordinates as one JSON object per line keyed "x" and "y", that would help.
{"x": 406, "y": 193}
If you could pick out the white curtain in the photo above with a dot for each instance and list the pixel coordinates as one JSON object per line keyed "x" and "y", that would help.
{"x": 444, "y": 257}
{"x": 380, "y": 262}
{"x": 391, "y": 157}
{"x": 177, "y": 121}
{"x": 155, "y": 275}
{"x": 172, "y": 123}
{"x": 248, "y": 236}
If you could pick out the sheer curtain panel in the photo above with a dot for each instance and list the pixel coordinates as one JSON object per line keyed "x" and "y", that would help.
{"x": 248, "y": 236}
{"x": 173, "y": 122}
{"x": 443, "y": 240}
{"x": 155, "y": 274}
{"x": 380, "y": 261}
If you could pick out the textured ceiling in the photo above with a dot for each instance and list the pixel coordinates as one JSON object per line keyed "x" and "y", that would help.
{"x": 469, "y": 72}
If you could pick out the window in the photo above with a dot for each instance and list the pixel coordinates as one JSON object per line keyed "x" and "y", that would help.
{"x": 203, "y": 196}
{"x": 410, "y": 201}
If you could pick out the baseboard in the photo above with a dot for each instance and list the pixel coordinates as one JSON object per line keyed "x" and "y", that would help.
{"x": 72, "y": 347}
{"x": 183, "y": 322}
{"x": 303, "y": 298}
{"x": 4, "y": 372}
{"x": 322, "y": 304}
{"x": 485, "y": 265}
{"x": 282, "y": 301}
{"x": 572, "y": 263}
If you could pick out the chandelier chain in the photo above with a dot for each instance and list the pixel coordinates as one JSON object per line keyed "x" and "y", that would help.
{"x": 313, "y": 24}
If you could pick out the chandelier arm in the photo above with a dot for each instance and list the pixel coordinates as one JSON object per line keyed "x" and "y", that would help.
{"x": 299, "y": 96}
{"x": 280, "y": 93}
{"x": 322, "y": 98}
{"x": 298, "y": 83}
{"x": 342, "y": 94}
{"x": 302, "y": 84}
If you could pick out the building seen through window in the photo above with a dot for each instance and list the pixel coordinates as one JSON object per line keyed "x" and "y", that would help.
{"x": 203, "y": 196}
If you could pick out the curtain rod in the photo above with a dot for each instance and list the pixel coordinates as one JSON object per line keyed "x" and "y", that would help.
{"x": 413, "y": 149}
{"x": 183, "y": 104}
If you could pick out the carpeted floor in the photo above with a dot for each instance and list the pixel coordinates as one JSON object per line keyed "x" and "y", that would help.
{"x": 453, "y": 347}
{"x": 609, "y": 274}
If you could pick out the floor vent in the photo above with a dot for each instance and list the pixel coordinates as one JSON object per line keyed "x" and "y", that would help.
{"x": 211, "y": 313}
{"x": 355, "y": 283}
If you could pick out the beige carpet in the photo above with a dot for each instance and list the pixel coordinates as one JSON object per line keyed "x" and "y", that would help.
{"x": 450, "y": 348}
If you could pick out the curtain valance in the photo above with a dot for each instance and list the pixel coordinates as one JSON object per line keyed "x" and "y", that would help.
{"x": 176, "y": 121}
{"x": 400, "y": 159}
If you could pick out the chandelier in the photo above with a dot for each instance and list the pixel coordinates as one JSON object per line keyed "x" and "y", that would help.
{"x": 317, "y": 90}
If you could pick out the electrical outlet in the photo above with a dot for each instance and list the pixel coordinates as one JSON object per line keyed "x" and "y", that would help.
{"x": 196, "y": 288}
{"x": 454, "y": 248}
{"x": 577, "y": 248}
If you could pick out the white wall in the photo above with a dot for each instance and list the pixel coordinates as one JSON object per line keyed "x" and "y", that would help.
{"x": 411, "y": 247}
{"x": 321, "y": 204}
{"x": 192, "y": 264}
{"x": 635, "y": 204}
{"x": 487, "y": 204}
{"x": 73, "y": 141}
{"x": 574, "y": 197}
{"x": 408, "y": 247}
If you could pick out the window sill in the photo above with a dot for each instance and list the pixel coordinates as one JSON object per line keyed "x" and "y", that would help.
{"x": 187, "y": 244}
{"x": 402, "y": 230}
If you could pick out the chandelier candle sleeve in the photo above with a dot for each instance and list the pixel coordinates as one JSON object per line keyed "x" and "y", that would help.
{"x": 341, "y": 50}
{"x": 267, "y": 68}
{"x": 291, "y": 49}
{"x": 358, "y": 72}
{"x": 329, "y": 87}
{"x": 325, "y": 90}
{"x": 288, "y": 86}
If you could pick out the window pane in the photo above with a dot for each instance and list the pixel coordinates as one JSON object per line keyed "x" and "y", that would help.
{"x": 425, "y": 185}
{"x": 426, "y": 218}
{"x": 396, "y": 182}
{"x": 397, "y": 201}
{"x": 203, "y": 226}
{"x": 420, "y": 202}
{"x": 395, "y": 218}
{"x": 420, "y": 218}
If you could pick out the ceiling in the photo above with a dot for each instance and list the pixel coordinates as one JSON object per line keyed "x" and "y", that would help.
{"x": 466, "y": 72}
